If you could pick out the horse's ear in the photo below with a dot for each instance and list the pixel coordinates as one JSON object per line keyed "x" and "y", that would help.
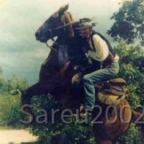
{"x": 63, "y": 9}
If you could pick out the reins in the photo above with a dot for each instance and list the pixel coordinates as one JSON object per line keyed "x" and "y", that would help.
{"x": 58, "y": 28}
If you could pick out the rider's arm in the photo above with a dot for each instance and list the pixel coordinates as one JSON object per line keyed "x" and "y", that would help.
{"x": 100, "y": 51}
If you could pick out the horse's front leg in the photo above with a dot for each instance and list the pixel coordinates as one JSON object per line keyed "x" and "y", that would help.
{"x": 26, "y": 95}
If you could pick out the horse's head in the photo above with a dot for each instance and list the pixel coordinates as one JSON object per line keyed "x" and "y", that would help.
{"x": 54, "y": 25}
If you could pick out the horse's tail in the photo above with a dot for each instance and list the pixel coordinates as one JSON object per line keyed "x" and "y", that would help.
{"x": 16, "y": 92}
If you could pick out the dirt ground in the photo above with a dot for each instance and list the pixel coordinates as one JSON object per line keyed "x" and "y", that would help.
{"x": 16, "y": 137}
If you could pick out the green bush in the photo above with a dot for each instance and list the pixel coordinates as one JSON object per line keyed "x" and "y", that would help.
{"x": 49, "y": 131}
{"x": 10, "y": 114}
{"x": 9, "y": 111}
{"x": 132, "y": 136}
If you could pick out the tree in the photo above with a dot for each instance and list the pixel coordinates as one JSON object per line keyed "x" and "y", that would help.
{"x": 9, "y": 107}
{"x": 129, "y": 22}
{"x": 130, "y": 61}
{"x": 15, "y": 83}
{"x": 129, "y": 70}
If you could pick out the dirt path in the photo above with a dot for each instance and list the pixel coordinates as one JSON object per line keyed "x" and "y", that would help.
{"x": 16, "y": 136}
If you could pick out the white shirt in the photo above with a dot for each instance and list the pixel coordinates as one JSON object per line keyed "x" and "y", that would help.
{"x": 100, "y": 51}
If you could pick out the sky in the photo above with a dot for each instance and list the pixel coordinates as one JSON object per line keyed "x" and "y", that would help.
{"x": 20, "y": 53}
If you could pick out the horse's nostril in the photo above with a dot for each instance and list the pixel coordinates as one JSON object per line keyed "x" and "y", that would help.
{"x": 36, "y": 34}
{"x": 43, "y": 39}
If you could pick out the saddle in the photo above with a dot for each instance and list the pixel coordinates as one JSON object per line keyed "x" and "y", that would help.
{"x": 112, "y": 91}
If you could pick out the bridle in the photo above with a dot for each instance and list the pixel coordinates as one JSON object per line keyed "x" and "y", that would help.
{"x": 50, "y": 31}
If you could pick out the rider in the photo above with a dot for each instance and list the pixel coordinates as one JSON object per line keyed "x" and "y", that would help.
{"x": 99, "y": 50}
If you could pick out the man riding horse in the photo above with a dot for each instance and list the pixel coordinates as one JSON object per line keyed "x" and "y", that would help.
{"x": 59, "y": 69}
{"x": 68, "y": 47}
{"x": 99, "y": 50}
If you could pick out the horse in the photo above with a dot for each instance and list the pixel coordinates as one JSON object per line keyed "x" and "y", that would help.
{"x": 67, "y": 47}
{"x": 55, "y": 74}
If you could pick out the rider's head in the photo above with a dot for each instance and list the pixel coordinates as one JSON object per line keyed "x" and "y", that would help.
{"x": 85, "y": 27}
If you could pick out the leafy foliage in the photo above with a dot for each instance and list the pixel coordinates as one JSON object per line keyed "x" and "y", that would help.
{"x": 129, "y": 22}
{"x": 10, "y": 105}
{"x": 9, "y": 111}
{"x": 51, "y": 131}
{"x": 132, "y": 136}
{"x": 15, "y": 83}
{"x": 130, "y": 61}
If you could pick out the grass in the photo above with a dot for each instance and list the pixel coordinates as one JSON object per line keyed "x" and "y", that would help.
{"x": 9, "y": 111}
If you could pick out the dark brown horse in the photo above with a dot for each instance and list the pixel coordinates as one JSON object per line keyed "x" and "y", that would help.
{"x": 57, "y": 70}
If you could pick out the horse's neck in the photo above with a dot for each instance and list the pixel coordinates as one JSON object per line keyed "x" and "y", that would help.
{"x": 64, "y": 39}
{"x": 67, "y": 48}
{"x": 61, "y": 40}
